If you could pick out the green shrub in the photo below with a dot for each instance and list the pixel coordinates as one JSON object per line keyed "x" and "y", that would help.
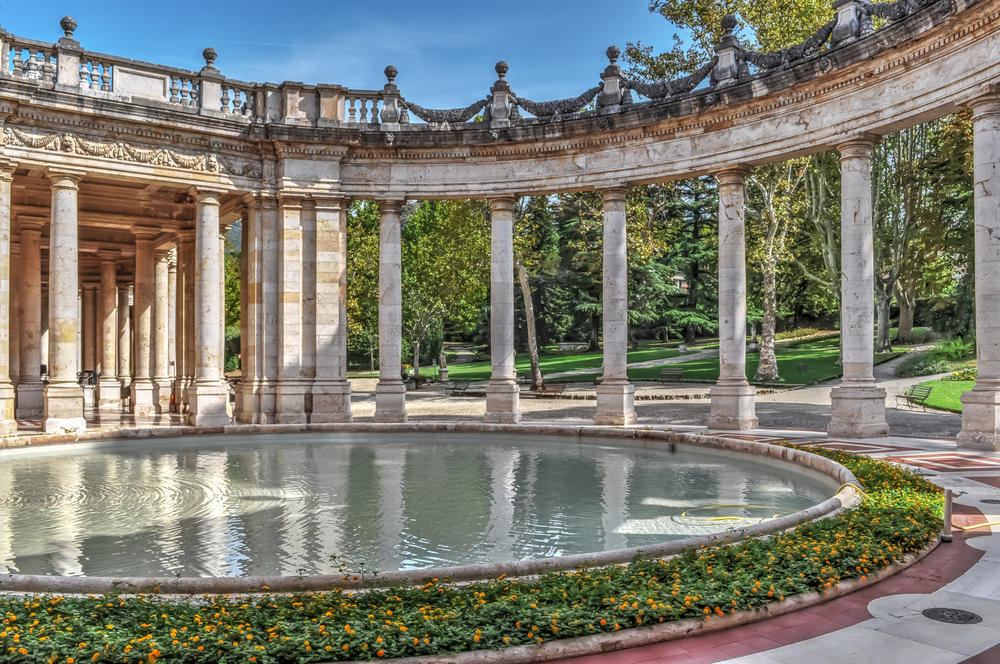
{"x": 796, "y": 334}
{"x": 962, "y": 375}
{"x": 953, "y": 350}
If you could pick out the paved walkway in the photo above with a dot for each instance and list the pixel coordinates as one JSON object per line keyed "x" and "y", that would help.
{"x": 663, "y": 361}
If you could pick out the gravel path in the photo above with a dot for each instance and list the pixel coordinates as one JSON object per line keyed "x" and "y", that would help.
{"x": 687, "y": 357}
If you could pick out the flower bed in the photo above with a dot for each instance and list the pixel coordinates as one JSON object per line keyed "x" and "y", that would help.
{"x": 901, "y": 515}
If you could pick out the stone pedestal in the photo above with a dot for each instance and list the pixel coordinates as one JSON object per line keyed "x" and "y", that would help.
{"x": 732, "y": 397}
{"x": 615, "y": 396}
{"x": 63, "y": 395}
{"x": 857, "y": 407}
{"x": 981, "y": 405}
{"x": 30, "y": 388}
{"x": 502, "y": 392}
{"x": 109, "y": 390}
{"x": 209, "y": 394}
{"x": 390, "y": 393}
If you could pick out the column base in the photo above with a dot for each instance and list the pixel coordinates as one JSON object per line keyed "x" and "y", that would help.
{"x": 331, "y": 402}
{"x": 980, "y": 420}
{"x": 164, "y": 387}
{"x": 109, "y": 395}
{"x": 390, "y": 401}
{"x": 63, "y": 410}
{"x": 503, "y": 402}
{"x": 8, "y": 425}
{"x": 30, "y": 400}
{"x": 248, "y": 402}
{"x": 209, "y": 400}
{"x": 733, "y": 407}
{"x": 857, "y": 412}
{"x": 615, "y": 403}
{"x": 290, "y": 402}
{"x": 144, "y": 398}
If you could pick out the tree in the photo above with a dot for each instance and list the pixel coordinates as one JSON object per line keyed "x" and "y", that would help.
{"x": 536, "y": 251}
{"x": 363, "y": 224}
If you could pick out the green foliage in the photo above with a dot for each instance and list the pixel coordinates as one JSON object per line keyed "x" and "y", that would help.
{"x": 946, "y": 394}
{"x": 947, "y": 356}
{"x": 796, "y": 334}
{"x": 901, "y": 515}
{"x": 232, "y": 270}
{"x": 953, "y": 350}
{"x": 964, "y": 375}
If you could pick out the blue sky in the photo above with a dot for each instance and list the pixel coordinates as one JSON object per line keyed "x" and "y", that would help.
{"x": 445, "y": 50}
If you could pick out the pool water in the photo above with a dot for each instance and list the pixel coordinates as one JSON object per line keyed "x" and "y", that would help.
{"x": 308, "y": 503}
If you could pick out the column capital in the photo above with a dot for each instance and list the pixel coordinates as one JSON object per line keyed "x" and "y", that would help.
{"x": 988, "y": 104}
{"x": 733, "y": 174}
{"x": 109, "y": 255}
{"x": 65, "y": 178}
{"x": 289, "y": 200}
{"x": 618, "y": 193}
{"x": 185, "y": 235}
{"x": 89, "y": 286}
{"x": 7, "y": 168}
{"x": 31, "y": 225}
{"x": 858, "y": 145}
{"x": 206, "y": 196}
{"x": 390, "y": 205}
{"x": 331, "y": 202}
{"x": 505, "y": 202}
{"x": 161, "y": 254}
{"x": 144, "y": 233}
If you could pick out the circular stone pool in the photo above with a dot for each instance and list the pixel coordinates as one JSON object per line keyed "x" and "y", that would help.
{"x": 287, "y": 504}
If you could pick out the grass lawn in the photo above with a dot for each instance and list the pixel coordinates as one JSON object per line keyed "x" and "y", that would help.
{"x": 553, "y": 361}
{"x": 945, "y": 395}
{"x": 919, "y": 334}
{"x": 805, "y": 364}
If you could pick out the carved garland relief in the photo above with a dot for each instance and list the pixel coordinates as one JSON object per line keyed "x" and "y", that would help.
{"x": 121, "y": 151}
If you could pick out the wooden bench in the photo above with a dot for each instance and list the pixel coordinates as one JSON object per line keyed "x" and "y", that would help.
{"x": 915, "y": 396}
{"x": 670, "y": 374}
{"x": 552, "y": 388}
{"x": 457, "y": 390}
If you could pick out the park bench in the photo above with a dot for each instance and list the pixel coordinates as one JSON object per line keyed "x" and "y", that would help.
{"x": 457, "y": 390}
{"x": 915, "y": 396}
{"x": 671, "y": 374}
{"x": 552, "y": 388}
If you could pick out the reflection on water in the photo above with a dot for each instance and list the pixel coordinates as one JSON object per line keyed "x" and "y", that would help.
{"x": 286, "y": 504}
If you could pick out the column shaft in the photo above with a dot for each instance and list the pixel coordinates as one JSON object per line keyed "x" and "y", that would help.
{"x": 109, "y": 390}
{"x": 14, "y": 310}
{"x": 63, "y": 395}
{"x": 124, "y": 339}
{"x": 732, "y": 397}
{"x": 210, "y": 395}
{"x": 8, "y": 425}
{"x": 331, "y": 391}
{"x": 981, "y": 405}
{"x": 247, "y": 403}
{"x": 291, "y": 389}
{"x": 172, "y": 318}
{"x": 89, "y": 327}
{"x": 160, "y": 332}
{"x": 270, "y": 281}
{"x": 144, "y": 397}
{"x": 502, "y": 392}
{"x": 29, "y": 380}
{"x": 390, "y": 392}
{"x": 857, "y": 406}
{"x": 615, "y": 395}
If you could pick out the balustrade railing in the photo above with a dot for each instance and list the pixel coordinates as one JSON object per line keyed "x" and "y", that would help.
{"x": 358, "y": 104}
{"x": 238, "y": 99}
{"x": 32, "y": 60}
{"x": 183, "y": 90}
{"x": 94, "y": 74}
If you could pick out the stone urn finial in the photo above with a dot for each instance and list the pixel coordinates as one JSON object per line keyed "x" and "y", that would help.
{"x": 729, "y": 24}
{"x": 210, "y": 55}
{"x": 613, "y": 52}
{"x": 501, "y": 69}
{"x": 391, "y": 73}
{"x": 68, "y": 25}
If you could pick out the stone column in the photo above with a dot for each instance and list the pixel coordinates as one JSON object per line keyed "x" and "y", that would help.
{"x": 14, "y": 310}
{"x": 160, "y": 329}
{"x": 615, "y": 395}
{"x": 390, "y": 393}
{"x": 63, "y": 394}
{"x": 124, "y": 339}
{"x": 8, "y": 425}
{"x": 246, "y": 389}
{"x": 270, "y": 240}
{"x": 210, "y": 394}
{"x": 502, "y": 392}
{"x": 291, "y": 390}
{"x": 185, "y": 320}
{"x": 89, "y": 322}
{"x": 331, "y": 391}
{"x": 857, "y": 406}
{"x": 172, "y": 317}
{"x": 109, "y": 390}
{"x": 144, "y": 396}
{"x": 732, "y": 396}
{"x": 29, "y": 382}
{"x": 981, "y": 405}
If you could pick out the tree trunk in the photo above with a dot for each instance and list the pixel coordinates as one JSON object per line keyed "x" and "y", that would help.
{"x": 883, "y": 294}
{"x": 767, "y": 367}
{"x": 529, "y": 314}
{"x": 907, "y": 303}
{"x": 689, "y": 334}
{"x": 416, "y": 358}
{"x": 595, "y": 332}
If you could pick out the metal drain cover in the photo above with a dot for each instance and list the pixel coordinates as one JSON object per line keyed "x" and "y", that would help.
{"x": 953, "y": 616}
{"x": 990, "y": 501}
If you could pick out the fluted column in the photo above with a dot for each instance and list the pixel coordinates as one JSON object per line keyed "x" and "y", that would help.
{"x": 210, "y": 395}
{"x": 109, "y": 390}
{"x": 502, "y": 392}
{"x": 331, "y": 401}
{"x": 857, "y": 406}
{"x": 29, "y": 379}
{"x": 160, "y": 329}
{"x": 89, "y": 323}
{"x": 144, "y": 397}
{"x": 732, "y": 396}
{"x": 390, "y": 393}
{"x": 63, "y": 395}
{"x": 124, "y": 339}
{"x": 8, "y": 425}
{"x": 981, "y": 405}
{"x": 291, "y": 390}
{"x": 615, "y": 395}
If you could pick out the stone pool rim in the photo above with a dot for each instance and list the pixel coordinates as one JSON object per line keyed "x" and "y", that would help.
{"x": 847, "y": 496}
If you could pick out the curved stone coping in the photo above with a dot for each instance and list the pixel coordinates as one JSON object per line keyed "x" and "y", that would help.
{"x": 846, "y": 496}
{"x": 635, "y": 637}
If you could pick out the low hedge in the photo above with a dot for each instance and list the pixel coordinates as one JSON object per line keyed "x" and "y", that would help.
{"x": 900, "y": 515}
